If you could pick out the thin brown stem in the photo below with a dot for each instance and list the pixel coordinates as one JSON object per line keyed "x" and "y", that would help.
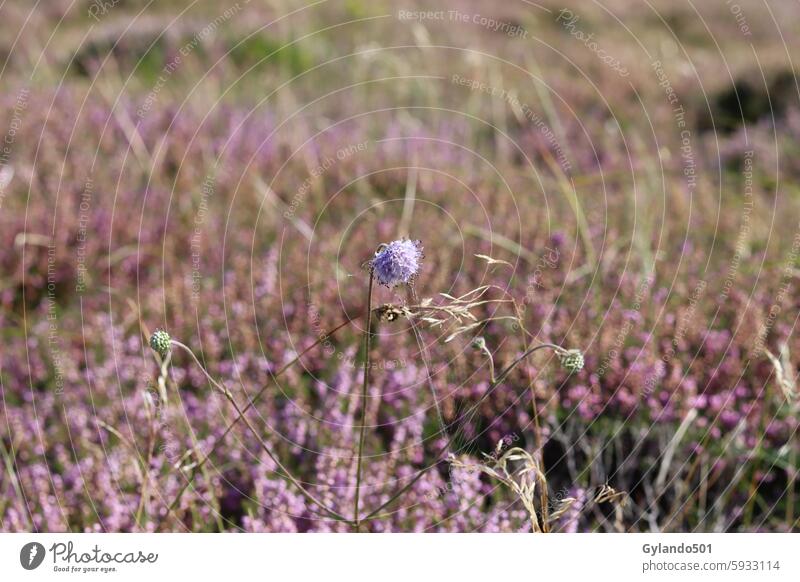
{"x": 252, "y": 402}
{"x": 446, "y": 447}
{"x": 364, "y": 388}
{"x": 283, "y": 471}
{"x": 197, "y": 467}
{"x": 537, "y": 433}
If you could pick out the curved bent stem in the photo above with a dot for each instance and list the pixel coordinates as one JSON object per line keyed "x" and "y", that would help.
{"x": 446, "y": 447}
{"x": 283, "y": 471}
{"x": 199, "y": 465}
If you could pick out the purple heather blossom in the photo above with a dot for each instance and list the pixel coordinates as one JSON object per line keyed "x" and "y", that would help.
{"x": 397, "y": 262}
{"x": 644, "y": 371}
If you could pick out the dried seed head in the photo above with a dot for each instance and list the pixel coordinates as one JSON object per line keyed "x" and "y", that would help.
{"x": 571, "y": 360}
{"x": 398, "y": 262}
{"x": 160, "y": 342}
{"x": 478, "y": 343}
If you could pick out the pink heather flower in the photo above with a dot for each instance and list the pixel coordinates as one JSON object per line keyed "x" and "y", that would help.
{"x": 397, "y": 262}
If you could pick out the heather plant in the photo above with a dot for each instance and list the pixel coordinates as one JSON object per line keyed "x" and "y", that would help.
{"x": 395, "y": 263}
{"x": 234, "y": 196}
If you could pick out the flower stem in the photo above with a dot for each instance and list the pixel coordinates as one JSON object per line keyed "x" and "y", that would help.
{"x": 446, "y": 447}
{"x": 199, "y": 465}
{"x": 423, "y": 352}
{"x": 362, "y": 428}
{"x": 283, "y": 471}
{"x": 537, "y": 434}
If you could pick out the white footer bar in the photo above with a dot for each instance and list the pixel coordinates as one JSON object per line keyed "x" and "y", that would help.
{"x": 389, "y": 557}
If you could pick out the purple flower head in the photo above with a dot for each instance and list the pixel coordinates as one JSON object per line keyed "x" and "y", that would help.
{"x": 397, "y": 262}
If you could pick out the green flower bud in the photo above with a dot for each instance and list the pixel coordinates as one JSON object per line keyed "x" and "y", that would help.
{"x": 571, "y": 360}
{"x": 160, "y": 342}
{"x": 478, "y": 343}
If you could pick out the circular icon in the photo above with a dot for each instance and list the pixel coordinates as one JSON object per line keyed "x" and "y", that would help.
{"x": 31, "y": 555}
